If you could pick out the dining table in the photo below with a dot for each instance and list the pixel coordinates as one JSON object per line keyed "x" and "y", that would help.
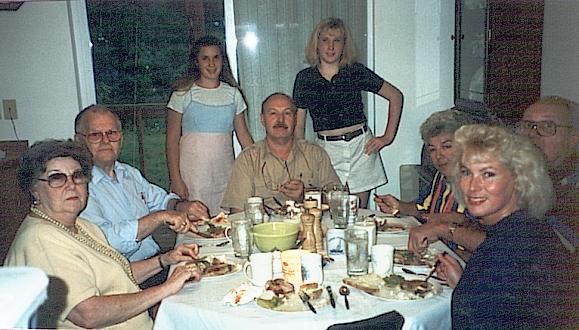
{"x": 199, "y": 305}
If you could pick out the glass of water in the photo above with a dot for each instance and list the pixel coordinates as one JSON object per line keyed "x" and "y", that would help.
{"x": 340, "y": 208}
{"x": 240, "y": 236}
{"x": 357, "y": 251}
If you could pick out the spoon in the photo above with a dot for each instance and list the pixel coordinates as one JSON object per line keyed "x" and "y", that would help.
{"x": 344, "y": 291}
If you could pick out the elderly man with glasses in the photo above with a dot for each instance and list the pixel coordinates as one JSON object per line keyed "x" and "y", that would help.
{"x": 280, "y": 167}
{"x": 552, "y": 124}
{"x": 121, "y": 201}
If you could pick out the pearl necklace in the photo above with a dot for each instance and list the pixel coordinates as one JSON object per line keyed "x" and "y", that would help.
{"x": 84, "y": 238}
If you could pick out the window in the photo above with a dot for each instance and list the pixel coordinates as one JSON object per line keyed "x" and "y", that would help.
{"x": 139, "y": 49}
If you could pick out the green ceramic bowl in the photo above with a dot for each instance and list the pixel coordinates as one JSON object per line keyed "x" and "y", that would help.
{"x": 272, "y": 236}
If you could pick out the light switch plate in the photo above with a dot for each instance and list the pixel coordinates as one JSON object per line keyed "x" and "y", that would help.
{"x": 10, "y": 109}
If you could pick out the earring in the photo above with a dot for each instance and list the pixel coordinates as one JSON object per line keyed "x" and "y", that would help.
{"x": 35, "y": 202}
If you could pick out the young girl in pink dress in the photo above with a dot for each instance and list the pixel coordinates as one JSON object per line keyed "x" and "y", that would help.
{"x": 204, "y": 110}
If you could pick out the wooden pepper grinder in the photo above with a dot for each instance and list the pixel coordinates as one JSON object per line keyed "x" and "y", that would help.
{"x": 308, "y": 236}
{"x": 318, "y": 233}
{"x": 310, "y": 203}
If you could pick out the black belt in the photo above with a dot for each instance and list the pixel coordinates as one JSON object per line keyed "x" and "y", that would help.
{"x": 346, "y": 137}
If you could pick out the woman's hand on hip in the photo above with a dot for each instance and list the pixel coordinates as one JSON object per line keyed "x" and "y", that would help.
{"x": 376, "y": 144}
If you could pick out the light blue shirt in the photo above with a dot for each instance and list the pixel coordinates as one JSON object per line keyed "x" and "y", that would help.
{"x": 116, "y": 205}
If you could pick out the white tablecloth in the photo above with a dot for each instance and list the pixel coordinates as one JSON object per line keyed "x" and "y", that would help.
{"x": 22, "y": 291}
{"x": 199, "y": 306}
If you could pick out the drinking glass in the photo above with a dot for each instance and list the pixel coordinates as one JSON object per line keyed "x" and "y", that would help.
{"x": 339, "y": 209}
{"x": 241, "y": 237}
{"x": 357, "y": 251}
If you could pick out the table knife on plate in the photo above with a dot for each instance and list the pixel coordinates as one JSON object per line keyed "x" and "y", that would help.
{"x": 306, "y": 300}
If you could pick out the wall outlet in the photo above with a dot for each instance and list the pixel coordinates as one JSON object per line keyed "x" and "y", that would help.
{"x": 9, "y": 109}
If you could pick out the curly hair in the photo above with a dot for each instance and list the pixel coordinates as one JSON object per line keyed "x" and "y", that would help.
{"x": 193, "y": 73}
{"x": 349, "y": 54}
{"x": 33, "y": 161}
{"x": 516, "y": 153}
{"x": 446, "y": 121}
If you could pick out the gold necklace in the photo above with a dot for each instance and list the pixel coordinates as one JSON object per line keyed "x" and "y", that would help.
{"x": 84, "y": 238}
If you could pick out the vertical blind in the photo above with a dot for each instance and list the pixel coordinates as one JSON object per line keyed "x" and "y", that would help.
{"x": 271, "y": 38}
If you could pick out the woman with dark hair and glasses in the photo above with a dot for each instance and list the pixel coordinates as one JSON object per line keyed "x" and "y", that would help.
{"x": 89, "y": 280}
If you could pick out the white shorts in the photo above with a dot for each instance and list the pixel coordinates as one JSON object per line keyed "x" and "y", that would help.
{"x": 360, "y": 171}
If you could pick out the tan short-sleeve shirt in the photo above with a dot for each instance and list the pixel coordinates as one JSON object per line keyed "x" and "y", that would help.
{"x": 258, "y": 172}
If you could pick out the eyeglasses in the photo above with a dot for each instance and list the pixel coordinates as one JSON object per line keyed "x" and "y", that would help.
{"x": 96, "y": 137}
{"x": 542, "y": 128}
{"x": 57, "y": 180}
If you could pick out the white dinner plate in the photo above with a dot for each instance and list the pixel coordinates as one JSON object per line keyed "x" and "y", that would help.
{"x": 297, "y": 306}
{"x": 236, "y": 268}
{"x": 436, "y": 290}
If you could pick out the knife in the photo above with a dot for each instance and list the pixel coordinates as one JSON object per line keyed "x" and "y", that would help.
{"x": 306, "y": 300}
{"x": 332, "y": 301}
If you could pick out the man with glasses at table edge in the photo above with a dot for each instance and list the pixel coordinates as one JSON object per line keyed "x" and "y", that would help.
{"x": 552, "y": 124}
{"x": 279, "y": 167}
{"x": 121, "y": 201}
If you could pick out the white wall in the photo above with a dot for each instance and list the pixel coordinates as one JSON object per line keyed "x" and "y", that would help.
{"x": 413, "y": 51}
{"x": 560, "y": 65}
{"x": 37, "y": 69}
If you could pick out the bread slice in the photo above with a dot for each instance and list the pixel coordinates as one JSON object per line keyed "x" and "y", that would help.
{"x": 312, "y": 290}
{"x": 370, "y": 283}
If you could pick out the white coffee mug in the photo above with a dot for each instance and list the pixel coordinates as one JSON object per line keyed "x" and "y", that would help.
{"x": 335, "y": 241}
{"x": 383, "y": 259}
{"x": 261, "y": 268}
{"x": 312, "y": 268}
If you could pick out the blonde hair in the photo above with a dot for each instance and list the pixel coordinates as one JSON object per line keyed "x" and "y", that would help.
{"x": 516, "y": 153}
{"x": 349, "y": 54}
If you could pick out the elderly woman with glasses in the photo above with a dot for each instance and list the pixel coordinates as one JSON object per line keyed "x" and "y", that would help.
{"x": 91, "y": 284}
{"x": 520, "y": 276}
{"x": 445, "y": 217}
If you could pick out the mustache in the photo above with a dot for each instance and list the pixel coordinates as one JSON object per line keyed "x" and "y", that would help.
{"x": 280, "y": 125}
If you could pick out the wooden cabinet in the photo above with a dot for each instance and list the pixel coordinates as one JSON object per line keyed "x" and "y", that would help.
{"x": 14, "y": 204}
{"x": 498, "y": 47}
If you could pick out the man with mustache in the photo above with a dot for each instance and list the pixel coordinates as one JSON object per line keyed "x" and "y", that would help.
{"x": 279, "y": 167}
